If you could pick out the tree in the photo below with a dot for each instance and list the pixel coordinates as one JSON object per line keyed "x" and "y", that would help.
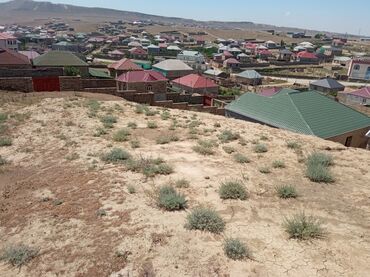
{"x": 71, "y": 71}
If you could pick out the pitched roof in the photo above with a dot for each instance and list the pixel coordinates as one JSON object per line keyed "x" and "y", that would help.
{"x": 270, "y": 91}
{"x": 307, "y": 112}
{"x": 58, "y": 58}
{"x": 306, "y": 55}
{"x": 30, "y": 54}
{"x": 99, "y": 73}
{"x": 6, "y": 36}
{"x": 364, "y": 92}
{"x": 172, "y": 64}
{"x": 232, "y": 61}
{"x": 125, "y": 64}
{"x": 9, "y": 57}
{"x": 141, "y": 76}
{"x": 138, "y": 51}
{"x": 328, "y": 83}
{"x": 195, "y": 81}
{"x": 249, "y": 74}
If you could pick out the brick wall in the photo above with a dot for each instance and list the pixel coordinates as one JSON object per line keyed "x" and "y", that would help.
{"x": 110, "y": 90}
{"x": 23, "y": 84}
{"x": 141, "y": 87}
{"x": 70, "y": 83}
{"x": 359, "y": 139}
{"x": 42, "y": 72}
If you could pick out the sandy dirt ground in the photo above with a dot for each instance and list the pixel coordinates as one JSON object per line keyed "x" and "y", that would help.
{"x": 54, "y": 183}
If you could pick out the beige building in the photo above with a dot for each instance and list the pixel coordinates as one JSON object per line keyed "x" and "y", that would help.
{"x": 359, "y": 69}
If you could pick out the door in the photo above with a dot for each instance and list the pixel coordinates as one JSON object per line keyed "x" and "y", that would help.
{"x": 46, "y": 84}
{"x": 367, "y": 76}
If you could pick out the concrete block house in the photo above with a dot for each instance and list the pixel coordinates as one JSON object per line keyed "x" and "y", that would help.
{"x": 359, "y": 69}
{"x": 10, "y": 59}
{"x": 122, "y": 66}
{"x": 142, "y": 82}
{"x": 327, "y": 85}
{"x": 360, "y": 97}
{"x": 194, "y": 83}
{"x": 172, "y": 68}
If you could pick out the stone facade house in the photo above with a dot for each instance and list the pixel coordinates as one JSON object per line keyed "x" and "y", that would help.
{"x": 142, "y": 82}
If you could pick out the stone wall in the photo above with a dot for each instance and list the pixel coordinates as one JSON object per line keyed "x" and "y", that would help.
{"x": 98, "y": 83}
{"x": 23, "y": 84}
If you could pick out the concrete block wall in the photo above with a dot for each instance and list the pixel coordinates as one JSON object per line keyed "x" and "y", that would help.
{"x": 23, "y": 84}
{"x": 69, "y": 83}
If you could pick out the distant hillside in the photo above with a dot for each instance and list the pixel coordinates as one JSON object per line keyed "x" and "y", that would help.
{"x": 22, "y": 11}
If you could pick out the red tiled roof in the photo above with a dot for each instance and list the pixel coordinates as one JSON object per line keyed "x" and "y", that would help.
{"x": 232, "y": 61}
{"x": 141, "y": 76}
{"x": 125, "y": 64}
{"x": 306, "y": 55}
{"x": 228, "y": 54}
{"x": 138, "y": 51}
{"x": 364, "y": 92}
{"x": 29, "y": 54}
{"x": 6, "y": 36}
{"x": 268, "y": 92}
{"x": 9, "y": 57}
{"x": 265, "y": 52}
{"x": 195, "y": 81}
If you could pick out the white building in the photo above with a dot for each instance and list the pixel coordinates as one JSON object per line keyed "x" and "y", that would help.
{"x": 359, "y": 69}
{"x": 8, "y": 41}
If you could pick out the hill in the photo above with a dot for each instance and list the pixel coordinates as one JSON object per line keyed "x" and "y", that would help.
{"x": 89, "y": 214}
{"x": 28, "y": 11}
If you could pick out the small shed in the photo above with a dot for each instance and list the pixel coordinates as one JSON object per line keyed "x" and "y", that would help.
{"x": 327, "y": 85}
{"x": 249, "y": 77}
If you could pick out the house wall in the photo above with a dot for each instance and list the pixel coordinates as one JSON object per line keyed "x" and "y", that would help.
{"x": 15, "y": 66}
{"x": 358, "y": 138}
{"x": 23, "y": 84}
{"x": 156, "y": 87}
{"x": 254, "y": 82}
{"x": 68, "y": 83}
{"x": 173, "y": 74}
{"x": 357, "y": 100}
{"x": 9, "y": 44}
{"x": 325, "y": 90}
{"x": 98, "y": 83}
{"x": 29, "y": 72}
{"x": 197, "y": 90}
{"x": 359, "y": 73}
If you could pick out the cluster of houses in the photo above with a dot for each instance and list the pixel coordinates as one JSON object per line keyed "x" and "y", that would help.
{"x": 139, "y": 63}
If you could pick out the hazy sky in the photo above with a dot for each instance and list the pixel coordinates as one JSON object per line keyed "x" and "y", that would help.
{"x": 352, "y": 16}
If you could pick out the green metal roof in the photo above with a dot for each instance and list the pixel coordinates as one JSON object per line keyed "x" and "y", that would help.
{"x": 307, "y": 112}
{"x": 99, "y": 73}
{"x": 58, "y": 58}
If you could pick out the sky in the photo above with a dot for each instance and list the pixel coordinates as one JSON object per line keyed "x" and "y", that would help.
{"x": 342, "y": 16}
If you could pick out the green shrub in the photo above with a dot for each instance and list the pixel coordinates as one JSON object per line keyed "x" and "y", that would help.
{"x": 101, "y": 213}
{"x": 205, "y": 147}
{"x": 317, "y": 168}
{"x": 164, "y": 139}
{"x": 131, "y": 189}
{"x": 3, "y": 117}
{"x": 121, "y": 135}
{"x": 149, "y": 167}
{"x": 242, "y": 141}
{"x": 171, "y": 200}
{"x": 116, "y": 155}
{"x": 286, "y": 191}
{"x": 149, "y": 112}
{"x": 227, "y": 136}
{"x": 19, "y": 255}
{"x": 264, "y": 138}
{"x": 293, "y": 145}
{"x": 260, "y": 148}
{"x": 5, "y": 141}
{"x": 132, "y": 125}
{"x": 152, "y": 125}
{"x": 233, "y": 190}
{"x": 165, "y": 115}
{"x": 228, "y": 149}
{"x": 303, "y": 227}
{"x": 139, "y": 109}
{"x": 135, "y": 143}
{"x": 278, "y": 164}
{"x": 194, "y": 124}
{"x": 264, "y": 170}
{"x": 100, "y": 132}
{"x": 235, "y": 249}
{"x": 3, "y": 161}
{"x": 108, "y": 121}
{"x": 205, "y": 219}
{"x": 240, "y": 158}
{"x": 182, "y": 183}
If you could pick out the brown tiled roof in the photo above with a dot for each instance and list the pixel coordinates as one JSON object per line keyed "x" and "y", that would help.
{"x": 125, "y": 64}
{"x": 9, "y": 57}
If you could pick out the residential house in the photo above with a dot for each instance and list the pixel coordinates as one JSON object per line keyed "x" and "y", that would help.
{"x": 285, "y": 55}
{"x": 307, "y": 57}
{"x": 216, "y": 74}
{"x": 138, "y": 53}
{"x": 173, "y": 50}
{"x": 305, "y": 112}
{"x": 31, "y": 55}
{"x": 361, "y": 96}
{"x": 191, "y": 57}
{"x": 327, "y": 85}
{"x": 270, "y": 44}
{"x": 62, "y": 59}
{"x": 173, "y": 69}
{"x": 10, "y": 59}
{"x": 264, "y": 54}
{"x": 122, "y": 66}
{"x": 8, "y": 41}
{"x": 249, "y": 77}
{"x": 194, "y": 83}
{"x": 65, "y": 46}
{"x": 231, "y": 63}
{"x": 142, "y": 81}
{"x": 153, "y": 50}
{"x": 342, "y": 61}
{"x": 243, "y": 58}
{"x": 359, "y": 69}
{"x": 116, "y": 54}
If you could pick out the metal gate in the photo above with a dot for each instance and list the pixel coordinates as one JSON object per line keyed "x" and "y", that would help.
{"x": 46, "y": 84}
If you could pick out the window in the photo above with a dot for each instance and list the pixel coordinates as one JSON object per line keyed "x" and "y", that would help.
{"x": 348, "y": 141}
{"x": 149, "y": 88}
{"x": 356, "y": 67}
